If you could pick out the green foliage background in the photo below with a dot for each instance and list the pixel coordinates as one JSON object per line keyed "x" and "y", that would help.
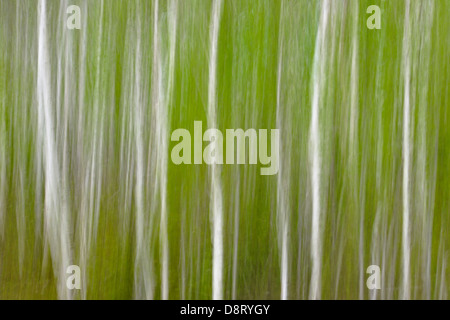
{"x": 264, "y": 81}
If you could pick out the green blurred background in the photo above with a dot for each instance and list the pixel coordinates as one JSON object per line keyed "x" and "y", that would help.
{"x": 85, "y": 170}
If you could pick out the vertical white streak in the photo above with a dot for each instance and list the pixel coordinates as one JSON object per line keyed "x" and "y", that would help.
{"x": 138, "y": 125}
{"x": 96, "y": 155}
{"x": 281, "y": 182}
{"x": 423, "y": 184}
{"x": 236, "y": 234}
{"x": 354, "y": 84}
{"x": 56, "y": 215}
{"x": 3, "y": 151}
{"x": 376, "y": 243}
{"x": 315, "y": 157}
{"x": 3, "y": 145}
{"x": 163, "y": 149}
{"x": 20, "y": 202}
{"x": 183, "y": 249}
{"x": 82, "y": 180}
{"x": 88, "y": 214}
{"x": 354, "y": 147}
{"x": 216, "y": 186}
{"x": 406, "y": 158}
